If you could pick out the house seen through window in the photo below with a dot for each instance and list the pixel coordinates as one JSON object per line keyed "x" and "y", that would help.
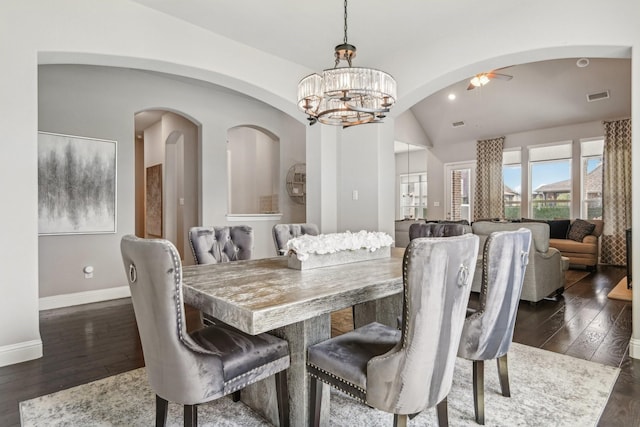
{"x": 550, "y": 181}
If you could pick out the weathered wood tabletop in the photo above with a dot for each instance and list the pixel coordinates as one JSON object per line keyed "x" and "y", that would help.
{"x": 260, "y": 295}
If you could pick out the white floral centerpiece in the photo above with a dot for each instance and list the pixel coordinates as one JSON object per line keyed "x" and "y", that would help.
{"x": 307, "y": 251}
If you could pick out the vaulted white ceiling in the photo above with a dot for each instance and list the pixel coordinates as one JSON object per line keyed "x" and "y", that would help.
{"x": 391, "y": 35}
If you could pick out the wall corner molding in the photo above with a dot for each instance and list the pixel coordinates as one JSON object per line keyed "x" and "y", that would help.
{"x": 634, "y": 348}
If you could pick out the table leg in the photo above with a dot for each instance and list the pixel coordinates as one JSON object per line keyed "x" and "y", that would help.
{"x": 261, "y": 396}
{"x": 384, "y": 310}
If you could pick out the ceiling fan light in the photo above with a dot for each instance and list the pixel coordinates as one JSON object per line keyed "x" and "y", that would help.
{"x": 480, "y": 80}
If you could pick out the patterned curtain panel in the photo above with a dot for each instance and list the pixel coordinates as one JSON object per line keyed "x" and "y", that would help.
{"x": 489, "y": 194}
{"x": 616, "y": 191}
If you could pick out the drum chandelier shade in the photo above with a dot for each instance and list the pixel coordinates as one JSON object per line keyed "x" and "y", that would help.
{"x": 346, "y": 96}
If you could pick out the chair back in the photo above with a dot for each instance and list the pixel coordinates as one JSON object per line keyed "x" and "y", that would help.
{"x": 212, "y": 245}
{"x": 282, "y": 233}
{"x": 432, "y": 229}
{"x": 172, "y": 359}
{"x": 487, "y": 333}
{"x": 418, "y": 372}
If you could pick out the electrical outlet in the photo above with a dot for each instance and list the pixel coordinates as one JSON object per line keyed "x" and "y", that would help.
{"x": 88, "y": 272}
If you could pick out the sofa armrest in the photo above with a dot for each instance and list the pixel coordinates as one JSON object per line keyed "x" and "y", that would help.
{"x": 590, "y": 239}
{"x": 549, "y": 254}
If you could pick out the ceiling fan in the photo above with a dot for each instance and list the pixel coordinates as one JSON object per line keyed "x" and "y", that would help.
{"x": 482, "y": 79}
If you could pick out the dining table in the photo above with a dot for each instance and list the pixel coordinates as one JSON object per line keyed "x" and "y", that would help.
{"x": 265, "y": 295}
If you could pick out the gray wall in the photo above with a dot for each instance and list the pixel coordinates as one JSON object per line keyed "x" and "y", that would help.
{"x": 100, "y": 102}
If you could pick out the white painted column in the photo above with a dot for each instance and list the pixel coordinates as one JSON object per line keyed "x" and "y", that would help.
{"x": 634, "y": 346}
{"x": 322, "y": 177}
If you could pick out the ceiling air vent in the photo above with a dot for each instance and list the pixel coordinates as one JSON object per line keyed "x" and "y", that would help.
{"x": 597, "y": 96}
{"x": 457, "y": 124}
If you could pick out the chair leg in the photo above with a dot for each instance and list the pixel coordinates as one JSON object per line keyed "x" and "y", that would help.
{"x": 443, "y": 413}
{"x": 315, "y": 401}
{"x": 478, "y": 390}
{"x": 399, "y": 420}
{"x": 282, "y": 395}
{"x": 161, "y": 411}
{"x": 236, "y": 396}
{"x": 503, "y": 373}
{"x": 190, "y": 415}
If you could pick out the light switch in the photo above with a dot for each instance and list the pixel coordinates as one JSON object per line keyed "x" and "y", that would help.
{"x": 354, "y": 195}
{"x": 436, "y": 204}
{"x": 181, "y": 201}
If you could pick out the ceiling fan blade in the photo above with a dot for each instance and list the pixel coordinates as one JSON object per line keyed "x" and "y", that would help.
{"x": 499, "y": 76}
{"x": 470, "y": 86}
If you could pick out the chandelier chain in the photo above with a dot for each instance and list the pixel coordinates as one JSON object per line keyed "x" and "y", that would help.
{"x": 345, "y": 22}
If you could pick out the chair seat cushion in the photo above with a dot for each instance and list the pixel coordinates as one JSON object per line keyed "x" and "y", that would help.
{"x": 240, "y": 352}
{"x": 346, "y": 356}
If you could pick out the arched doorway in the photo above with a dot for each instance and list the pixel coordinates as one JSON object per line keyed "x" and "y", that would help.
{"x": 166, "y": 177}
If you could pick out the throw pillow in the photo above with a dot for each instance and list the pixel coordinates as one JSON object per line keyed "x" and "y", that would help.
{"x": 580, "y": 229}
{"x": 559, "y": 228}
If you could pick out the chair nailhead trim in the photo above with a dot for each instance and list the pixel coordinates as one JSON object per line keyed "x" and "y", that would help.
{"x": 341, "y": 380}
{"x": 244, "y": 384}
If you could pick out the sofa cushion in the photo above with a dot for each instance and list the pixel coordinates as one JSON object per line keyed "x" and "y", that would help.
{"x": 580, "y": 229}
{"x": 568, "y": 246}
{"x": 558, "y": 228}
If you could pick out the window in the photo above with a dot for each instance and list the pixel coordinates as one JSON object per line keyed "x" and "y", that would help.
{"x": 512, "y": 179}
{"x": 413, "y": 195}
{"x": 550, "y": 181}
{"x": 591, "y": 178}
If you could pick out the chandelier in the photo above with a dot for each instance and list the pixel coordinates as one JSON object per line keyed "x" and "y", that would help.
{"x": 346, "y": 96}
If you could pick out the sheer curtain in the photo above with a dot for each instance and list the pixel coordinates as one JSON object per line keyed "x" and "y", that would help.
{"x": 489, "y": 194}
{"x": 616, "y": 194}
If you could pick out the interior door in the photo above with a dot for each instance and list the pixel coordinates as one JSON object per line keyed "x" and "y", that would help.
{"x": 459, "y": 181}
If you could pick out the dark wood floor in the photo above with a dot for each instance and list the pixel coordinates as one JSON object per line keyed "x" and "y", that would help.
{"x": 89, "y": 342}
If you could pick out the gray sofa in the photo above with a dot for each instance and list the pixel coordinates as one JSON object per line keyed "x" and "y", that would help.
{"x": 545, "y": 273}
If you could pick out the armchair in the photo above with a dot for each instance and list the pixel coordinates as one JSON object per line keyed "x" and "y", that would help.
{"x": 545, "y": 272}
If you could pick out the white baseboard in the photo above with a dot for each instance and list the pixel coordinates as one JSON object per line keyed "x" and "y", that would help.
{"x": 634, "y": 348}
{"x": 20, "y": 352}
{"x": 68, "y": 300}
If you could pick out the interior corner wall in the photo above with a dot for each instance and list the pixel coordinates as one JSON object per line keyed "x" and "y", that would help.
{"x": 365, "y": 178}
{"x": 100, "y": 102}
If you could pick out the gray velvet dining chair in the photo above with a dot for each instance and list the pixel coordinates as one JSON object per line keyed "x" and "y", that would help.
{"x": 432, "y": 229}
{"x": 488, "y": 332}
{"x": 211, "y": 245}
{"x": 409, "y": 370}
{"x": 282, "y": 233}
{"x": 201, "y": 366}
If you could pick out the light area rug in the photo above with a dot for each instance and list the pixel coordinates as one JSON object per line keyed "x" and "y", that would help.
{"x": 621, "y": 292}
{"x": 547, "y": 389}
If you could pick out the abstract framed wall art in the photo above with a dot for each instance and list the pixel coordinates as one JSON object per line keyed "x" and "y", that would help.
{"x": 76, "y": 184}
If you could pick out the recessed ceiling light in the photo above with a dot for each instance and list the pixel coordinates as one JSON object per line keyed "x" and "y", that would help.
{"x": 582, "y": 62}
{"x": 452, "y": 96}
